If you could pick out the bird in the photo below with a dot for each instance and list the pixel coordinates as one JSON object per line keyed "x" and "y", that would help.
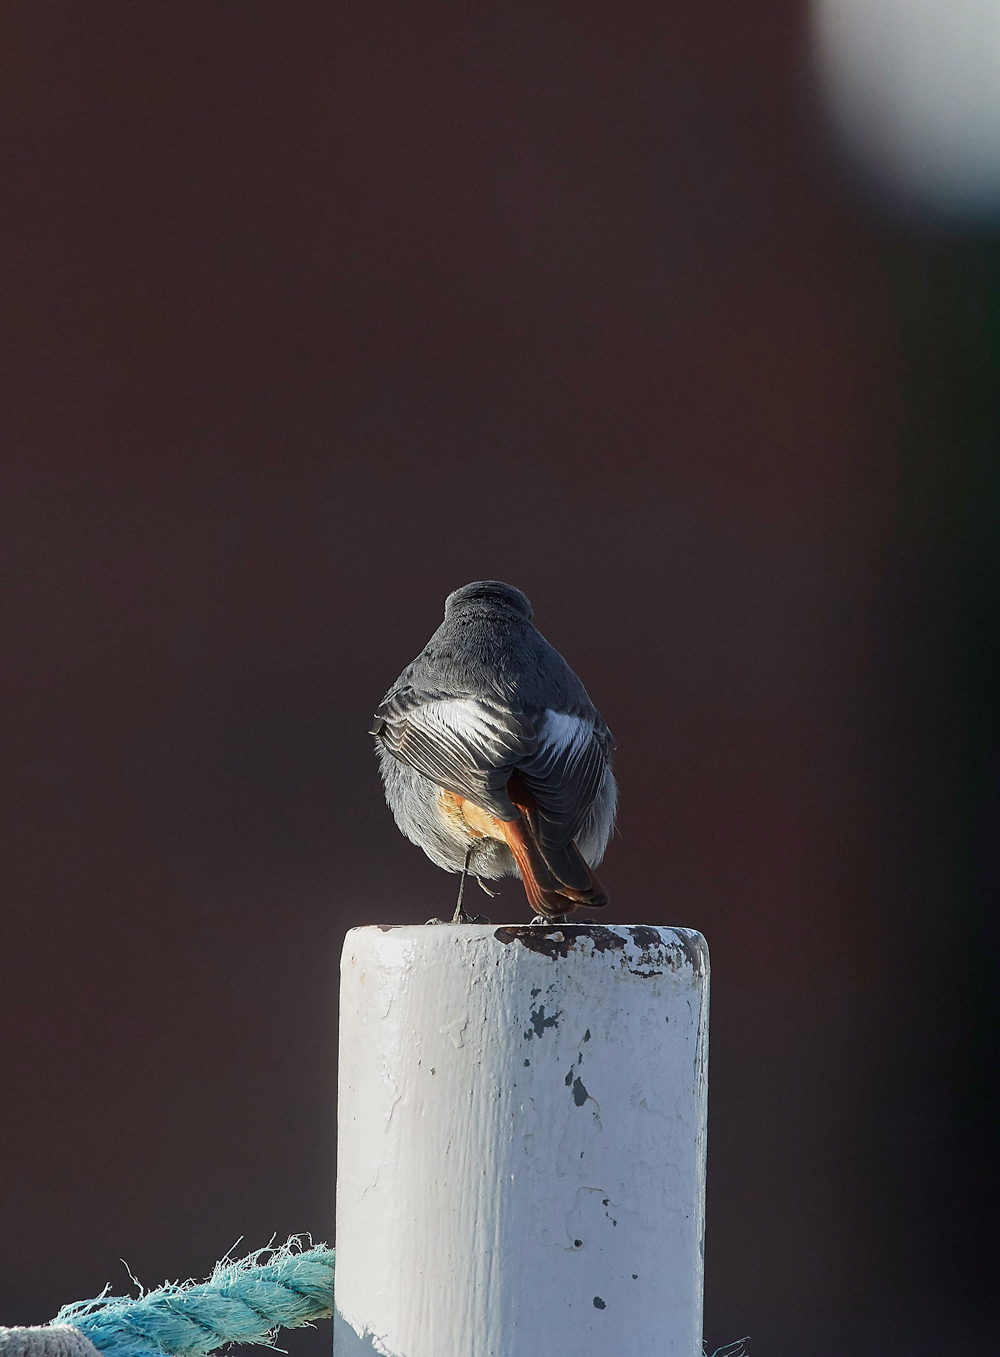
{"x": 495, "y": 761}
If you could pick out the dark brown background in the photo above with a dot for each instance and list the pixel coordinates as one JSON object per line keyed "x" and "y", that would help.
{"x": 312, "y": 313}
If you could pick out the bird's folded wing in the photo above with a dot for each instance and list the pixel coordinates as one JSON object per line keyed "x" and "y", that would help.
{"x": 466, "y": 745}
{"x": 564, "y": 775}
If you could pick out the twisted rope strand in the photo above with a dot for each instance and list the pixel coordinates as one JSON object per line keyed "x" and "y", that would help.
{"x": 244, "y": 1301}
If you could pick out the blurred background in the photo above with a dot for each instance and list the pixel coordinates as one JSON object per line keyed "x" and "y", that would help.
{"x": 685, "y": 319}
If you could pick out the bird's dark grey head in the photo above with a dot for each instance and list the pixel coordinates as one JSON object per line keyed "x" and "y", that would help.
{"x": 487, "y": 596}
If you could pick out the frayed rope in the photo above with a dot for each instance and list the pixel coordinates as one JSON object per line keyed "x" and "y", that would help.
{"x": 244, "y": 1301}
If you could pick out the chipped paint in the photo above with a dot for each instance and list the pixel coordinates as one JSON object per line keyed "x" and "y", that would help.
{"x": 538, "y": 1021}
{"x": 561, "y": 941}
{"x": 456, "y": 1030}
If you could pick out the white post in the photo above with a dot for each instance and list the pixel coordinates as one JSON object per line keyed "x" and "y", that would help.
{"x": 522, "y": 1141}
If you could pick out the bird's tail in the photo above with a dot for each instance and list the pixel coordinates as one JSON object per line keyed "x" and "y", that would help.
{"x": 556, "y": 881}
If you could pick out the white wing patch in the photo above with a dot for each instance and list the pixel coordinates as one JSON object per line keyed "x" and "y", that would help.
{"x": 564, "y": 775}
{"x": 563, "y": 739}
{"x": 566, "y": 733}
{"x": 470, "y": 747}
{"x": 474, "y": 724}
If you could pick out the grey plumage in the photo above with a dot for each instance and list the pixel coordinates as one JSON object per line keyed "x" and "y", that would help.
{"x": 486, "y": 698}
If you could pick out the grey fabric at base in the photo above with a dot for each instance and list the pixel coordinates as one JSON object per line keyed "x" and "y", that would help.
{"x": 46, "y": 1340}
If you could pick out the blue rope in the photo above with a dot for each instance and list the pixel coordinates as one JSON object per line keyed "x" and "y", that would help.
{"x": 242, "y": 1302}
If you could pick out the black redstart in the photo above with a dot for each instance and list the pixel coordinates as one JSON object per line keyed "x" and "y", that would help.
{"x": 494, "y": 758}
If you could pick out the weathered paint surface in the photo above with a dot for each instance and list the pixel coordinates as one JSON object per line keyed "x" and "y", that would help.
{"x": 522, "y": 1141}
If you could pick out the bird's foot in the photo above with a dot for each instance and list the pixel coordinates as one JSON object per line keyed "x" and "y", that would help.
{"x": 549, "y": 919}
{"x": 463, "y": 918}
{"x": 483, "y": 887}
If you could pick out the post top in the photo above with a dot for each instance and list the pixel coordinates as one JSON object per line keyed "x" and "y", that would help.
{"x": 650, "y": 942}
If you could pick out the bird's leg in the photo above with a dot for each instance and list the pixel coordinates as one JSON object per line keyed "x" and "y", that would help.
{"x": 459, "y": 916}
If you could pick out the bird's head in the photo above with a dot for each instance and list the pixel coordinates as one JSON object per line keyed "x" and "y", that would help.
{"x": 488, "y": 596}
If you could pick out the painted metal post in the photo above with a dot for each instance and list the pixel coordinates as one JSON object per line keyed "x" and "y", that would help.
{"x": 522, "y": 1141}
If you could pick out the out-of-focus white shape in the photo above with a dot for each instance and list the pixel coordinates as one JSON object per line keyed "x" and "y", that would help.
{"x": 913, "y": 87}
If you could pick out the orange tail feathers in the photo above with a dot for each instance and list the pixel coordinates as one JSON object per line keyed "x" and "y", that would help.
{"x": 560, "y": 881}
{"x": 546, "y": 893}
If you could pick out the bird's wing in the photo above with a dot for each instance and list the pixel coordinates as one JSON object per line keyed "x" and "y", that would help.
{"x": 565, "y": 773}
{"x": 466, "y": 745}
